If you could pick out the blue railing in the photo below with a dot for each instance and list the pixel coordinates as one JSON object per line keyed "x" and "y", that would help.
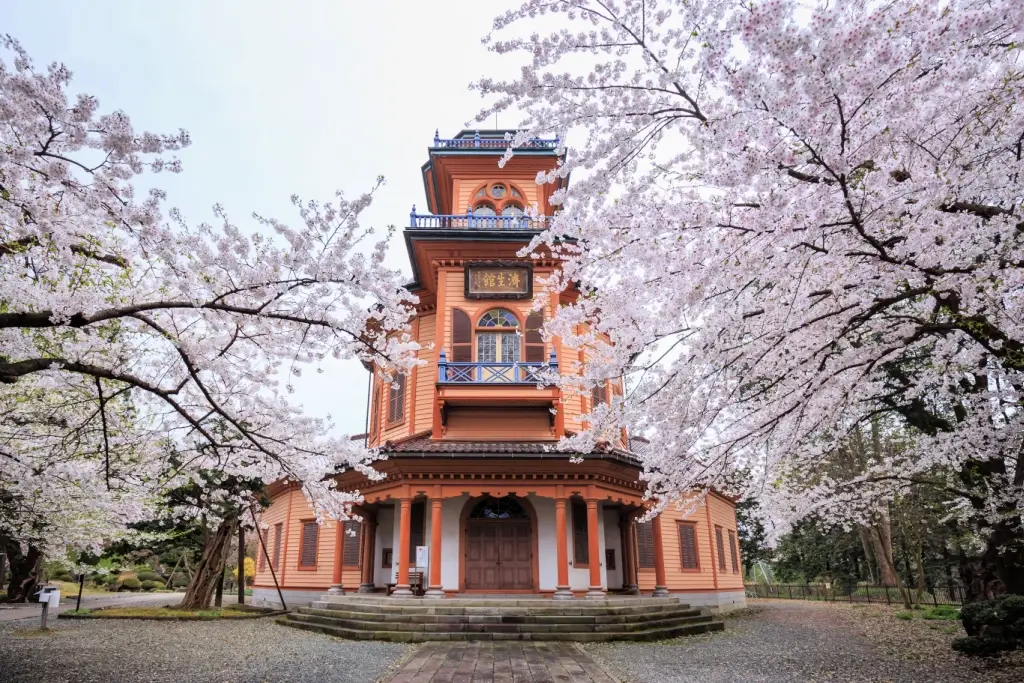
{"x": 477, "y": 142}
{"x": 419, "y": 221}
{"x": 493, "y": 373}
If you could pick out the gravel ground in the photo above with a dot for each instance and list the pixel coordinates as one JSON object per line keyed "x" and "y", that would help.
{"x": 789, "y": 642}
{"x": 250, "y": 650}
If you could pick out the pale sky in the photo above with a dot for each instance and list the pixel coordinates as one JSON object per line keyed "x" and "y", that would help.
{"x": 303, "y": 97}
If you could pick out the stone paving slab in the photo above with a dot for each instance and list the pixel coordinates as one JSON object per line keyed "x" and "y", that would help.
{"x": 512, "y": 662}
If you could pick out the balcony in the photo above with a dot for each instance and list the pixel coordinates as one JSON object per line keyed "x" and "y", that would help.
{"x": 493, "y": 373}
{"x": 418, "y": 221}
{"x": 492, "y": 142}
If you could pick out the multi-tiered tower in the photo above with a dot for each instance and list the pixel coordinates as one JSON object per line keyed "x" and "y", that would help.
{"x": 472, "y": 474}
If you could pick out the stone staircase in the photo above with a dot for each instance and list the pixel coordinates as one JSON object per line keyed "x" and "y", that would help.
{"x": 416, "y": 619}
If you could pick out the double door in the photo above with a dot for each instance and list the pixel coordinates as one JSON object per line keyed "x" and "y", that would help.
{"x": 499, "y": 555}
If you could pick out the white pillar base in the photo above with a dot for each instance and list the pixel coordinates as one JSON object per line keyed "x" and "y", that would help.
{"x": 563, "y": 593}
{"x": 336, "y": 589}
{"x": 660, "y": 592}
{"x": 366, "y": 588}
{"x": 434, "y": 593}
{"x": 596, "y": 593}
{"x": 401, "y": 592}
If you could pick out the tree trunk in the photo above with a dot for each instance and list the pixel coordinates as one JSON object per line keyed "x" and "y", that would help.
{"x": 25, "y": 571}
{"x": 869, "y": 561}
{"x": 919, "y": 559}
{"x": 881, "y": 541}
{"x": 888, "y": 569}
{"x": 210, "y": 567}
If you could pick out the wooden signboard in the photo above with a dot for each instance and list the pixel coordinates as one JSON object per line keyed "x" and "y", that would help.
{"x": 499, "y": 280}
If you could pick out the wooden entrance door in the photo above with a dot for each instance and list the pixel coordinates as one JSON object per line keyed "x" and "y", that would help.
{"x": 499, "y": 555}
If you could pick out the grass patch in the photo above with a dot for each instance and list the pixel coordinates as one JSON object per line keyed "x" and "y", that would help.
{"x": 69, "y": 590}
{"x": 905, "y": 616}
{"x": 941, "y": 613}
{"x": 170, "y": 613}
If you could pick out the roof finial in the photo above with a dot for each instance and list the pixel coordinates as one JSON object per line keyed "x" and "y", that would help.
{"x": 437, "y": 137}
{"x": 476, "y": 139}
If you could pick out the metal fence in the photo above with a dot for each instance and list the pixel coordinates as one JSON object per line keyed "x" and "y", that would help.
{"x": 852, "y": 593}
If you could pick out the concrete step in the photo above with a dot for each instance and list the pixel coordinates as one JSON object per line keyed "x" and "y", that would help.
{"x": 479, "y": 626}
{"x": 502, "y": 617}
{"x": 532, "y": 602}
{"x": 574, "y": 636}
{"x": 451, "y": 607}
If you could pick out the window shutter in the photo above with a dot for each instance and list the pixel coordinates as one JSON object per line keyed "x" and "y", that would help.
{"x": 580, "y": 537}
{"x": 732, "y": 552}
{"x": 462, "y": 337}
{"x": 598, "y": 395}
{"x": 721, "y": 548}
{"x": 396, "y": 399}
{"x": 375, "y": 411}
{"x": 351, "y": 543}
{"x": 260, "y": 551}
{"x": 609, "y": 559}
{"x": 278, "y": 530}
{"x": 310, "y": 536}
{"x": 534, "y": 340}
{"x": 688, "y": 545}
{"x": 645, "y": 545}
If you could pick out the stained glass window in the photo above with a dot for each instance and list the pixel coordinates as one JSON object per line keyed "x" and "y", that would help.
{"x": 499, "y": 508}
{"x": 498, "y": 191}
{"x": 498, "y": 317}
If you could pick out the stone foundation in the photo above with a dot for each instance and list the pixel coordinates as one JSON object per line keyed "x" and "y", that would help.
{"x": 267, "y": 597}
{"x": 715, "y": 602}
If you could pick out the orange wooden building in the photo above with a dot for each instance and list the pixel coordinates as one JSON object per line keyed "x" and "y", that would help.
{"x": 472, "y": 474}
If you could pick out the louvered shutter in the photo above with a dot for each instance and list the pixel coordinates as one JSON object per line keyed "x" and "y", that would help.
{"x": 645, "y": 545}
{"x": 598, "y": 395}
{"x": 396, "y": 399}
{"x": 260, "y": 549}
{"x": 351, "y": 539}
{"x": 278, "y": 530}
{"x": 732, "y": 552}
{"x": 534, "y": 340}
{"x": 462, "y": 337}
{"x": 580, "y": 537}
{"x": 721, "y": 548}
{"x": 307, "y": 551}
{"x": 688, "y": 545}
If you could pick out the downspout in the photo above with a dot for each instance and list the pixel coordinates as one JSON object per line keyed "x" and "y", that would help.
{"x": 366, "y": 431}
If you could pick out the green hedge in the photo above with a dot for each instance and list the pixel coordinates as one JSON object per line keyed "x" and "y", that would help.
{"x": 151, "y": 585}
{"x": 148, "y": 576}
{"x": 992, "y": 626}
{"x": 131, "y": 584}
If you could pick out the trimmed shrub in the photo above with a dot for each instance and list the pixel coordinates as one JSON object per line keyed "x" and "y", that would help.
{"x": 992, "y": 626}
{"x": 147, "y": 576}
{"x": 180, "y": 581}
{"x": 131, "y": 584}
{"x": 151, "y": 585}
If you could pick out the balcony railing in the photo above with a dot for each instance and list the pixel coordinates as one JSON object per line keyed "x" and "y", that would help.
{"x": 493, "y": 373}
{"x": 419, "y": 221}
{"x": 478, "y": 142}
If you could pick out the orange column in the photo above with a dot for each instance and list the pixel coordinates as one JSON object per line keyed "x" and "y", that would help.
{"x": 369, "y": 546}
{"x": 596, "y": 589}
{"x": 660, "y": 587}
{"x": 404, "y": 536}
{"x": 562, "y": 591}
{"x": 339, "y": 543}
{"x": 435, "y": 590}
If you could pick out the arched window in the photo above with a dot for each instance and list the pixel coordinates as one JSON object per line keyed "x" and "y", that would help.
{"x": 498, "y": 199}
{"x": 497, "y": 338}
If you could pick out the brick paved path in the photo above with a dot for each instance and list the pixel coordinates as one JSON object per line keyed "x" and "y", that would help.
{"x": 500, "y": 662}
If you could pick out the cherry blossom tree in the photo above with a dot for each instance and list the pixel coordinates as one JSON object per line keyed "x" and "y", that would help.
{"x": 128, "y": 335}
{"x": 789, "y": 219}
